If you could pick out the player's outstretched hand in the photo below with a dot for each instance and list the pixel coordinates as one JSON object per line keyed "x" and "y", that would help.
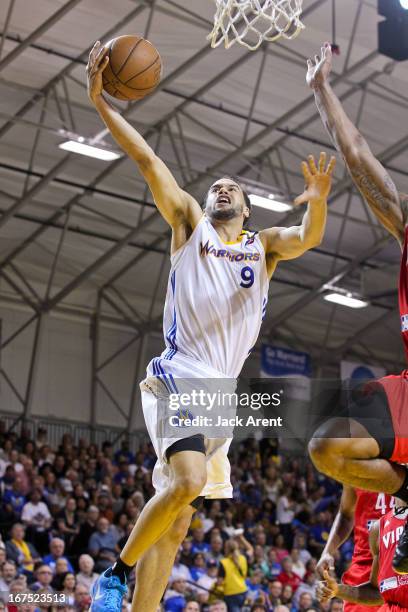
{"x": 325, "y": 563}
{"x": 318, "y": 179}
{"x": 97, "y": 62}
{"x": 319, "y": 71}
{"x": 327, "y": 588}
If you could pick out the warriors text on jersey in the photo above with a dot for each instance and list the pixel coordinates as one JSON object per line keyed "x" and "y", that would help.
{"x": 393, "y": 587}
{"x": 216, "y": 300}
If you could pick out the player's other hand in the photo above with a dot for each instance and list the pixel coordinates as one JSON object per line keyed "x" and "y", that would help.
{"x": 327, "y": 588}
{"x": 318, "y": 179}
{"x": 326, "y": 563}
{"x": 97, "y": 62}
{"x": 319, "y": 71}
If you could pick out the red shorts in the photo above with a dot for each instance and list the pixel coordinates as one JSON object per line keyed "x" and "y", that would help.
{"x": 396, "y": 389}
{"x": 358, "y": 573}
{"x": 392, "y": 608}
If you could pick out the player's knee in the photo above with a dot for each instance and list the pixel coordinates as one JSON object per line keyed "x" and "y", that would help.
{"x": 186, "y": 488}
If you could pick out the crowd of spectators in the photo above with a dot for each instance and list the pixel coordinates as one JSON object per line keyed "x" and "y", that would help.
{"x": 66, "y": 512}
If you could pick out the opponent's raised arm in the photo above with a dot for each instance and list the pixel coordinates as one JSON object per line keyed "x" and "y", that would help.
{"x": 290, "y": 242}
{"x": 371, "y": 178}
{"x": 176, "y": 206}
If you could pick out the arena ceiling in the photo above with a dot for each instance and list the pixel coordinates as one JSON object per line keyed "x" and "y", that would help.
{"x": 76, "y": 233}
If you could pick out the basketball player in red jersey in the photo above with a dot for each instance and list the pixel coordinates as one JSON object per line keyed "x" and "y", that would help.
{"x": 358, "y": 510}
{"x": 385, "y": 587}
{"x": 360, "y": 452}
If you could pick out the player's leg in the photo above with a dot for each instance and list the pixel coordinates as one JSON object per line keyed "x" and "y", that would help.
{"x": 188, "y": 475}
{"x": 154, "y": 568}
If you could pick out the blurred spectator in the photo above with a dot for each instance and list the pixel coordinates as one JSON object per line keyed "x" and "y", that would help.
{"x": 307, "y": 586}
{"x": 336, "y": 605}
{"x": 37, "y": 518}
{"x": 180, "y": 571}
{"x": 66, "y": 584}
{"x": 57, "y": 549}
{"x": 218, "y": 606}
{"x": 86, "y": 575}
{"x": 82, "y": 598}
{"x": 198, "y": 567}
{"x": 192, "y": 606}
{"x": 233, "y": 572}
{"x": 23, "y": 553}
{"x": 319, "y": 533}
{"x": 298, "y": 567}
{"x": 287, "y": 595}
{"x": 14, "y": 496}
{"x": 174, "y": 598}
{"x": 199, "y": 544}
{"x": 280, "y": 548}
{"x": 275, "y": 568}
{"x": 287, "y": 576}
{"x": 66, "y": 522}
{"x": 305, "y": 602}
{"x": 124, "y": 453}
{"x": 255, "y": 587}
{"x": 7, "y": 575}
{"x": 88, "y": 527}
{"x": 102, "y": 545}
{"x": 43, "y": 578}
{"x": 275, "y": 592}
{"x": 208, "y": 582}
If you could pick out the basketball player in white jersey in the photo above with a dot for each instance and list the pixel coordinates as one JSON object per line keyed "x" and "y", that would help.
{"x": 216, "y": 300}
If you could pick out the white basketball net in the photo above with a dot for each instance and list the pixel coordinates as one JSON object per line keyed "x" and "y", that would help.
{"x": 250, "y": 22}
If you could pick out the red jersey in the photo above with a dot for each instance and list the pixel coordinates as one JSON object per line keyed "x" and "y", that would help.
{"x": 403, "y": 293}
{"x": 369, "y": 508}
{"x": 393, "y": 587}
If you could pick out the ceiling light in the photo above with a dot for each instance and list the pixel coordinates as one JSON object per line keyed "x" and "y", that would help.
{"x": 268, "y": 202}
{"x": 404, "y": 4}
{"x": 345, "y": 300}
{"x": 75, "y": 146}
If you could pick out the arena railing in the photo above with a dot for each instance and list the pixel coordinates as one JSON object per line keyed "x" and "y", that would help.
{"x": 56, "y": 428}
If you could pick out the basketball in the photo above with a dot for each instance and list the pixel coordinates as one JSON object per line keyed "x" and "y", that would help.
{"x": 134, "y": 68}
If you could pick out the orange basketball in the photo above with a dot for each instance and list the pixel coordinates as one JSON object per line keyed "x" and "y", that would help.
{"x": 134, "y": 69}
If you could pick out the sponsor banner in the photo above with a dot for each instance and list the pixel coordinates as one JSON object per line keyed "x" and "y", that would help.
{"x": 351, "y": 370}
{"x": 277, "y": 362}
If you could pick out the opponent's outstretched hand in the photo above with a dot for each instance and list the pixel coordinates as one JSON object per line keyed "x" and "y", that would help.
{"x": 97, "y": 62}
{"x": 319, "y": 71}
{"x": 318, "y": 179}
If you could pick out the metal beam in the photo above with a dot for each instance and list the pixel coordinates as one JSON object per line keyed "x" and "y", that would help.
{"x": 57, "y": 16}
{"x": 67, "y": 69}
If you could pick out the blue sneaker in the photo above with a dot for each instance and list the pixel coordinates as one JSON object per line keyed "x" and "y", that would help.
{"x": 107, "y": 593}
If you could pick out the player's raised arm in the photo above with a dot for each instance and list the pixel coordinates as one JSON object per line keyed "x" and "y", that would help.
{"x": 176, "y": 206}
{"x": 290, "y": 242}
{"x": 371, "y": 178}
{"x": 341, "y": 529}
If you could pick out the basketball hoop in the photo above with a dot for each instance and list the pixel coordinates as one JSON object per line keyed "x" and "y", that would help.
{"x": 250, "y": 22}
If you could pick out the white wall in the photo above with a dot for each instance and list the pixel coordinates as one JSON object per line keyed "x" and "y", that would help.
{"x": 63, "y": 381}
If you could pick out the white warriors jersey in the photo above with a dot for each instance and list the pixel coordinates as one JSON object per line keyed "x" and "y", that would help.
{"x": 216, "y": 301}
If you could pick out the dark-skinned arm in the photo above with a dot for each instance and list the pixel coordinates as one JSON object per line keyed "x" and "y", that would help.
{"x": 369, "y": 175}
